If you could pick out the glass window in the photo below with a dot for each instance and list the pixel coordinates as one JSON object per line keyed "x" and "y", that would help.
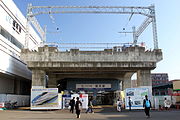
{"x": 14, "y": 23}
{"x": 9, "y": 37}
{"x": 19, "y": 29}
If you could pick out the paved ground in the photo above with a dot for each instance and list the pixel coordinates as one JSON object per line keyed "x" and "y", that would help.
{"x": 100, "y": 114}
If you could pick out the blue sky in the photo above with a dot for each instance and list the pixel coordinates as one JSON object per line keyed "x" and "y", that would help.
{"x": 92, "y": 28}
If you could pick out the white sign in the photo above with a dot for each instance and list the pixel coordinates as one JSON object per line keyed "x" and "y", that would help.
{"x": 137, "y": 95}
{"x": 93, "y": 86}
{"x": 44, "y": 98}
{"x": 84, "y": 100}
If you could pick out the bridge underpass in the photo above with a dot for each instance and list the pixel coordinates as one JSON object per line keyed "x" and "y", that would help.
{"x": 80, "y": 68}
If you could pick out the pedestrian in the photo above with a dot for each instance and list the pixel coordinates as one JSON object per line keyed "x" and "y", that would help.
{"x": 129, "y": 103}
{"x": 167, "y": 104}
{"x": 119, "y": 104}
{"x": 72, "y": 104}
{"x": 147, "y": 106}
{"x": 90, "y": 106}
{"x": 78, "y": 107}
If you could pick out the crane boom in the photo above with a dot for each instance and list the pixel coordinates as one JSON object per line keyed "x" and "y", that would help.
{"x": 149, "y": 12}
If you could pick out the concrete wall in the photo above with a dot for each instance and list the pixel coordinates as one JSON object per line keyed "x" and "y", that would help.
{"x": 22, "y": 100}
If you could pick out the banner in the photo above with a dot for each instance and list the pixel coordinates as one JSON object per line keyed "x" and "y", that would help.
{"x": 44, "y": 98}
{"x": 136, "y": 95}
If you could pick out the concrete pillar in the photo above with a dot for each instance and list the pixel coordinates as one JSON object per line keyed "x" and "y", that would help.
{"x": 52, "y": 81}
{"x": 144, "y": 78}
{"x": 38, "y": 78}
{"x": 17, "y": 87}
{"x": 127, "y": 80}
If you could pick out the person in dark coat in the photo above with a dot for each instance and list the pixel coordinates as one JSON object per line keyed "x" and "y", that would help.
{"x": 147, "y": 106}
{"x": 78, "y": 107}
{"x": 72, "y": 104}
{"x": 129, "y": 103}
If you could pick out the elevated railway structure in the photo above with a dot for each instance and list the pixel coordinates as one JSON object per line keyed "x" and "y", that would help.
{"x": 109, "y": 70}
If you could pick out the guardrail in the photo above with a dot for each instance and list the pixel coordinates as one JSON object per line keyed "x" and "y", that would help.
{"x": 89, "y": 46}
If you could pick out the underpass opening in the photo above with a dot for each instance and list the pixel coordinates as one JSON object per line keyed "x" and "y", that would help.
{"x": 104, "y": 91}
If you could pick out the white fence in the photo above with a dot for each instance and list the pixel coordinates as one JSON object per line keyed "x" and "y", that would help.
{"x": 159, "y": 100}
{"x": 22, "y": 100}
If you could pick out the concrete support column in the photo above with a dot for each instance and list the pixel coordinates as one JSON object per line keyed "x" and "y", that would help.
{"x": 38, "y": 78}
{"x": 144, "y": 78}
{"x": 17, "y": 87}
{"x": 127, "y": 80}
{"x": 52, "y": 81}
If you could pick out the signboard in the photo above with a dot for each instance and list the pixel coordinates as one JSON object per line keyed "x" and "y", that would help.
{"x": 137, "y": 95}
{"x": 93, "y": 86}
{"x": 44, "y": 98}
{"x": 66, "y": 100}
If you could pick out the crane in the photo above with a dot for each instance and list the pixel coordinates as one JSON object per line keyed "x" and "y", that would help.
{"x": 149, "y": 12}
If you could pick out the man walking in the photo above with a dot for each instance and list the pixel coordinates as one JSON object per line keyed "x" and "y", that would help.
{"x": 78, "y": 107}
{"x": 72, "y": 104}
{"x": 147, "y": 106}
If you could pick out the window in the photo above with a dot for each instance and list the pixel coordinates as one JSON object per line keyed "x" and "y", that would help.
{"x": 9, "y": 37}
{"x": 19, "y": 29}
{"x": 14, "y": 23}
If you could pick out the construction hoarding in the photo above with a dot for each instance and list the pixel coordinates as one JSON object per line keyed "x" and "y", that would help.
{"x": 136, "y": 95}
{"x": 44, "y": 98}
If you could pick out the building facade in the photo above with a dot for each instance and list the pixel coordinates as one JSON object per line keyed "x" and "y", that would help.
{"x": 15, "y": 77}
{"x": 161, "y": 84}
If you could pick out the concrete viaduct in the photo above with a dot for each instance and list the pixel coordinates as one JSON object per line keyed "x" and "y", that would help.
{"x": 74, "y": 63}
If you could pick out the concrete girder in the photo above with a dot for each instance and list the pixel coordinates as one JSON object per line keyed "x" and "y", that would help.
{"x": 129, "y": 54}
{"x": 62, "y": 66}
{"x": 108, "y": 63}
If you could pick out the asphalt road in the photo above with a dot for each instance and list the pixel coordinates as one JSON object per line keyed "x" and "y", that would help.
{"x": 98, "y": 115}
